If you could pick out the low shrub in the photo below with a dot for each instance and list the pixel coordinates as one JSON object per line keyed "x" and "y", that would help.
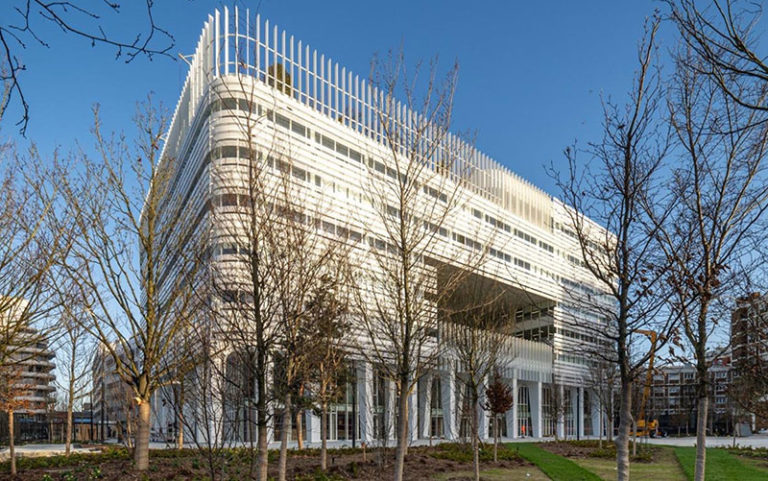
{"x": 603, "y": 453}
{"x": 463, "y": 452}
{"x": 750, "y": 452}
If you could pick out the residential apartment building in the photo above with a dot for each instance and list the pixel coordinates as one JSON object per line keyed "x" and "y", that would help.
{"x": 323, "y": 120}
{"x": 749, "y": 342}
{"x": 749, "y": 330}
{"x": 673, "y": 396}
{"x": 111, "y": 398}
{"x": 31, "y": 371}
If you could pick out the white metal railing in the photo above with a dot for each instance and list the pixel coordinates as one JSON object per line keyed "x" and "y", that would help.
{"x": 235, "y": 44}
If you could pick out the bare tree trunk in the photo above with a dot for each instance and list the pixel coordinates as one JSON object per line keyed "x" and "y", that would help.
{"x": 286, "y": 428}
{"x": 600, "y": 429}
{"x": 634, "y": 437}
{"x": 701, "y": 439}
{"x": 68, "y": 440}
{"x": 299, "y": 433}
{"x": 324, "y": 436}
{"x": 180, "y": 429}
{"x": 475, "y": 436}
{"x": 180, "y": 417}
{"x": 11, "y": 443}
{"x": 261, "y": 409}
{"x": 496, "y": 438}
{"x": 402, "y": 430}
{"x": 141, "y": 446}
{"x": 622, "y": 440}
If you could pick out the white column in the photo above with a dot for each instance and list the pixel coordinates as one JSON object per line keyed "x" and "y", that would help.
{"x": 413, "y": 417}
{"x": 536, "y": 417}
{"x": 561, "y": 412}
{"x": 313, "y": 427}
{"x": 580, "y": 411}
{"x": 425, "y": 416}
{"x": 448, "y": 393}
{"x": 365, "y": 401}
{"x": 215, "y": 405}
{"x": 594, "y": 407}
{"x": 391, "y": 410}
{"x": 270, "y": 406}
{"x": 482, "y": 414}
{"x": 515, "y": 420}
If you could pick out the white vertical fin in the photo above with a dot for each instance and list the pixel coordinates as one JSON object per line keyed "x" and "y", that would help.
{"x": 257, "y": 46}
{"x": 226, "y": 40}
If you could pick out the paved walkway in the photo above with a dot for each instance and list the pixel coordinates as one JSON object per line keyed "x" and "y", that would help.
{"x": 36, "y": 450}
{"x": 754, "y": 441}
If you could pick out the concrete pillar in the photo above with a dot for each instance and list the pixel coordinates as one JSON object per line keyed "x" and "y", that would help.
{"x": 425, "y": 395}
{"x": 450, "y": 410}
{"x": 270, "y": 406}
{"x": 561, "y": 412}
{"x": 413, "y": 414}
{"x": 536, "y": 410}
{"x": 515, "y": 409}
{"x": 482, "y": 414}
{"x": 595, "y": 410}
{"x": 313, "y": 427}
{"x": 215, "y": 408}
{"x": 390, "y": 414}
{"x": 365, "y": 401}
{"x": 580, "y": 407}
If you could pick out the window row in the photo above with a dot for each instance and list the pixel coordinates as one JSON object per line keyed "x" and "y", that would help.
{"x": 288, "y": 124}
{"x": 230, "y": 103}
{"x": 338, "y": 147}
{"x": 464, "y": 240}
{"x": 532, "y": 314}
{"x": 498, "y": 223}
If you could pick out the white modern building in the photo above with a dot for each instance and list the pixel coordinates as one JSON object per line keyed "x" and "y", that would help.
{"x": 323, "y": 118}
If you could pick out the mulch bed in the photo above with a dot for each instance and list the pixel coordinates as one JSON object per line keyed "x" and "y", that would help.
{"x": 419, "y": 466}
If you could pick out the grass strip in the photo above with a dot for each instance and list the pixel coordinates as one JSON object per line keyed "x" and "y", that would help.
{"x": 721, "y": 466}
{"x": 558, "y": 468}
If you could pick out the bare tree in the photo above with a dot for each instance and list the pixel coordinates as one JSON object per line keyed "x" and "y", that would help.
{"x": 723, "y": 41}
{"x": 328, "y": 310}
{"x": 300, "y": 254}
{"x": 13, "y": 393}
{"x": 131, "y": 232}
{"x": 74, "y": 353}
{"x": 602, "y": 380}
{"x": 29, "y": 246}
{"x": 477, "y": 333}
{"x": 717, "y": 198}
{"x": 417, "y": 192}
{"x": 22, "y": 25}
{"x": 621, "y": 257}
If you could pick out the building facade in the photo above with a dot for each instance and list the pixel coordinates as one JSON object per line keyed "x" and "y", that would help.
{"x": 325, "y": 122}
{"x": 673, "y": 397}
{"x": 30, "y": 366}
{"x": 114, "y": 410}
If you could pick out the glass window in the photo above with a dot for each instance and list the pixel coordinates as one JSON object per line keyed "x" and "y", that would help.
{"x": 298, "y": 128}
{"x": 228, "y": 200}
{"x": 342, "y": 149}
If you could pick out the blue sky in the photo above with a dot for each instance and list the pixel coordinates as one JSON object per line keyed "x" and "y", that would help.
{"x": 531, "y": 73}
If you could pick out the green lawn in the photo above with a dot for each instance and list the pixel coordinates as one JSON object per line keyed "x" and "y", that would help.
{"x": 664, "y": 468}
{"x": 556, "y": 467}
{"x": 528, "y": 473}
{"x": 721, "y": 466}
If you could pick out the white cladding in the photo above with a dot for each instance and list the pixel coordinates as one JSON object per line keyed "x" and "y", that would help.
{"x": 535, "y": 249}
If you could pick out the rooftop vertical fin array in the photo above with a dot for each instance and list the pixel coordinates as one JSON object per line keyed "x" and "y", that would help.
{"x": 235, "y": 44}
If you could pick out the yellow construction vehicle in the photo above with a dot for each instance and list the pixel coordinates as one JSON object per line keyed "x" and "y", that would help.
{"x": 644, "y": 426}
